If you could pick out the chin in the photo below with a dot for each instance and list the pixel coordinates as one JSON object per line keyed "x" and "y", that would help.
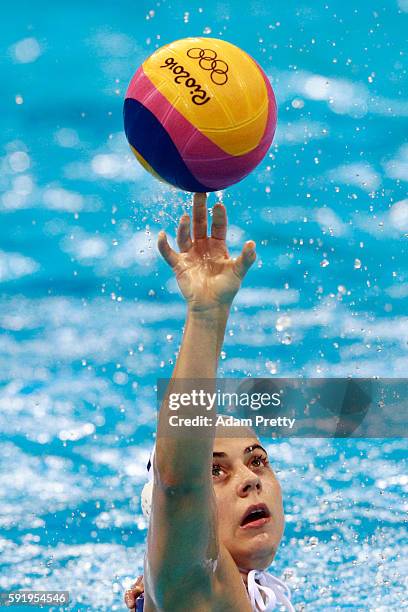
{"x": 258, "y": 554}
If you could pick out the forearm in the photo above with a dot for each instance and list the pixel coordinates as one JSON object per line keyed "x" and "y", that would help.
{"x": 213, "y": 326}
{"x": 197, "y": 360}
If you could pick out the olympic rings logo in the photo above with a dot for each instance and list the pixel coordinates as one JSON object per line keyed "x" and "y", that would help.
{"x": 208, "y": 61}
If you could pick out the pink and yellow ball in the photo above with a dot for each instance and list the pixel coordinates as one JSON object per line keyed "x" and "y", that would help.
{"x": 200, "y": 114}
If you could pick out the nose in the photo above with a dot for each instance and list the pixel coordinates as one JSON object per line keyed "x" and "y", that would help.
{"x": 248, "y": 482}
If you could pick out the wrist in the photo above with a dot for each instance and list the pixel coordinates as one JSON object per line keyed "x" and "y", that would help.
{"x": 214, "y": 313}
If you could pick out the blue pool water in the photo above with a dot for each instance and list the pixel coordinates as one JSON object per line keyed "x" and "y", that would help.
{"x": 90, "y": 316}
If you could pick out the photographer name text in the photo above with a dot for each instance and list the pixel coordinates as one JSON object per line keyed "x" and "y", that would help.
{"x": 230, "y": 421}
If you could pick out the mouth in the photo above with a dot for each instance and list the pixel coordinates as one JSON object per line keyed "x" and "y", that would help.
{"x": 255, "y": 516}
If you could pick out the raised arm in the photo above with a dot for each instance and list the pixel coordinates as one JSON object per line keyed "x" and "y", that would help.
{"x": 182, "y": 534}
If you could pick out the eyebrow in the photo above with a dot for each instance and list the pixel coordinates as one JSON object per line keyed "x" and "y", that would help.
{"x": 248, "y": 449}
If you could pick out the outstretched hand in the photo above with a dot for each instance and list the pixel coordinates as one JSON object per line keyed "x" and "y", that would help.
{"x": 207, "y": 276}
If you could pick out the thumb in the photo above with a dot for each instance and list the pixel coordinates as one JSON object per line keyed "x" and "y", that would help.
{"x": 170, "y": 256}
{"x": 246, "y": 259}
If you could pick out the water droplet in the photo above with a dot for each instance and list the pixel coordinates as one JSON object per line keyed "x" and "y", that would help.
{"x": 324, "y": 263}
{"x": 271, "y": 366}
{"x": 298, "y": 103}
{"x": 357, "y": 264}
{"x": 282, "y": 323}
{"x": 288, "y": 573}
{"x": 287, "y": 340}
{"x": 169, "y": 337}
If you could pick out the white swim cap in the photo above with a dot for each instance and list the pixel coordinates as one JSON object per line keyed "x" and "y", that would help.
{"x": 146, "y": 498}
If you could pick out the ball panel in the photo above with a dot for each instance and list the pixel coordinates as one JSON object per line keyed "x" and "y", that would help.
{"x": 146, "y": 166}
{"x": 272, "y": 115}
{"x": 242, "y": 139}
{"x": 225, "y": 170}
{"x": 134, "y": 83}
{"x": 147, "y": 135}
{"x": 213, "y": 107}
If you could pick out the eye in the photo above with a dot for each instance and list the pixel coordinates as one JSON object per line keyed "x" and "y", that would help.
{"x": 217, "y": 470}
{"x": 259, "y": 461}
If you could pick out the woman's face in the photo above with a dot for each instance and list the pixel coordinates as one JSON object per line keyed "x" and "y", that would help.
{"x": 249, "y": 501}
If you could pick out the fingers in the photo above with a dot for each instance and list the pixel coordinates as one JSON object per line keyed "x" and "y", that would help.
{"x": 200, "y": 215}
{"x": 130, "y": 600}
{"x": 246, "y": 259}
{"x": 133, "y": 593}
{"x": 166, "y": 251}
{"x": 219, "y": 222}
{"x": 183, "y": 234}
